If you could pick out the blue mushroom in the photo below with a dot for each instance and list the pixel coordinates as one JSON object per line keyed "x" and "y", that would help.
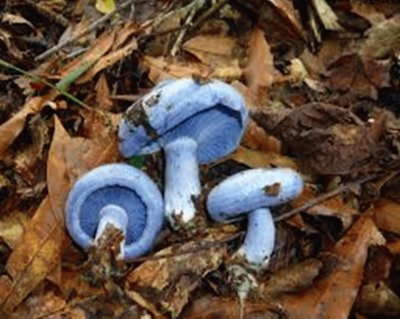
{"x": 120, "y": 195}
{"x": 253, "y": 192}
{"x": 194, "y": 123}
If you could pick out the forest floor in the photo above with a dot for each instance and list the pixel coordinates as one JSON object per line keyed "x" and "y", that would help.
{"x": 321, "y": 80}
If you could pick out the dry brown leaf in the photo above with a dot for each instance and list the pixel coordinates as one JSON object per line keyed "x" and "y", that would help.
{"x": 162, "y": 69}
{"x": 103, "y": 100}
{"x": 102, "y": 45}
{"x": 327, "y": 139}
{"x": 327, "y": 16}
{"x": 386, "y": 215}
{"x": 377, "y": 299}
{"x": 70, "y": 157}
{"x": 12, "y": 227}
{"x": 291, "y": 279}
{"x": 161, "y": 285}
{"x": 383, "y": 39}
{"x": 210, "y": 307}
{"x": 367, "y": 11}
{"x": 108, "y": 60}
{"x": 35, "y": 256}
{"x": 10, "y": 130}
{"x": 259, "y": 73}
{"x": 333, "y": 206}
{"x": 394, "y": 247}
{"x": 333, "y": 296}
{"x": 47, "y": 305}
{"x": 254, "y": 159}
{"x": 213, "y": 50}
{"x": 257, "y": 139}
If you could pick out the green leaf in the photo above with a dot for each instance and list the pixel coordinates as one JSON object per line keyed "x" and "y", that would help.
{"x": 136, "y": 161}
{"x": 105, "y": 6}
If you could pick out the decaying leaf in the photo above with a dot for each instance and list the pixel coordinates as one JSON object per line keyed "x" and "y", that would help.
{"x": 165, "y": 285}
{"x": 210, "y": 307}
{"x": 213, "y": 50}
{"x": 334, "y": 294}
{"x": 386, "y": 215}
{"x": 256, "y": 159}
{"x": 376, "y": 299}
{"x": 326, "y": 138}
{"x": 35, "y": 256}
{"x": 10, "y": 130}
{"x": 291, "y": 279}
{"x": 259, "y": 73}
{"x": 13, "y": 227}
{"x": 162, "y": 69}
{"x": 70, "y": 157}
{"x": 383, "y": 39}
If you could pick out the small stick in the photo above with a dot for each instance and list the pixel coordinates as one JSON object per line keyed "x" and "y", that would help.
{"x": 188, "y": 23}
{"x": 323, "y": 197}
{"x": 96, "y": 24}
{"x": 48, "y": 13}
{"x": 205, "y": 245}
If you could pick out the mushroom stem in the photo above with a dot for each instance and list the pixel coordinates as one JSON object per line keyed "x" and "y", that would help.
{"x": 113, "y": 215}
{"x": 260, "y": 238}
{"x": 182, "y": 181}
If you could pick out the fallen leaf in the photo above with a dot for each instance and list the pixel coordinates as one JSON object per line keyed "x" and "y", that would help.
{"x": 70, "y": 157}
{"x": 102, "y": 45}
{"x": 16, "y": 19}
{"x": 254, "y": 159}
{"x": 292, "y": 279}
{"x": 166, "y": 284}
{"x": 327, "y": 15}
{"x": 377, "y": 299}
{"x": 163, "y": 69}
{"x": 386, "y": 215}
{"x": 333, "y": 206}
{"x": 327, "y": 139}
{"x": 383, "y": 39}
{"x": 256, "y": 138}
{"x": 259, "y": 72}
{"x": 334, "y": 294}
{"x": 103, "y": 94}
{"x": 105, "y": 6}
{"x": 210, "y": 307}
{"x": 12, "y": 227}
{"x": 10, "y": 130}
{"x": 108, "y": 60}
{"x": 213, "y": 50}
{"x": 35, "y": 256}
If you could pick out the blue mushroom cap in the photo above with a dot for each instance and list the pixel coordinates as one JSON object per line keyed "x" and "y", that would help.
{"x": 213, "y": 114}
{"x": 252, "y": 189}
{"x": 118, "y": 185}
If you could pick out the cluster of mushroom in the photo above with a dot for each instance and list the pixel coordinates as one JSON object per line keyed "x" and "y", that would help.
{"x": 192, "y": 123}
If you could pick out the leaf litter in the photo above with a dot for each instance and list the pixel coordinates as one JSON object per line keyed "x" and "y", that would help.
{"x": 321, "y": 80}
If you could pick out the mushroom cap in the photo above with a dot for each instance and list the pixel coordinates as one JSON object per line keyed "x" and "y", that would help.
{"x": 212, "y": 113}
{"x": 252, "y": 189}
{"x": 119, "y": 185}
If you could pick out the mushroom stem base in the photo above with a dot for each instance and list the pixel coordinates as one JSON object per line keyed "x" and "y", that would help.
{"x": 260, "y": 238}
{"x": 115, "y": 216}
{"x": 182, "y": 181}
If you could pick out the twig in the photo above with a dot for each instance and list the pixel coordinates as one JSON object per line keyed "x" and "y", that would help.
{"x": 96, "y": 24}
{"x": 48, "y": 13}
{"x": 323, "y": 197}
{"x": 205, "y": 245}
{"x": 216, "y": 7}
{"x": 197, "y": 4}
{"x": 43, "y": 81}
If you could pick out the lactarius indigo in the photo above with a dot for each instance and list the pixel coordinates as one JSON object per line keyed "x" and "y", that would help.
{"x": 120, "y": 195}
{"x": 254, "y": 192}
{"x": 194, "y": 123}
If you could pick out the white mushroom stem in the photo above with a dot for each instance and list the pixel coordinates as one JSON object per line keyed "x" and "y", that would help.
{"x": 115, "y": 216}
{"x": 182, "y": 181}
{"x": 260, "y": 238}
